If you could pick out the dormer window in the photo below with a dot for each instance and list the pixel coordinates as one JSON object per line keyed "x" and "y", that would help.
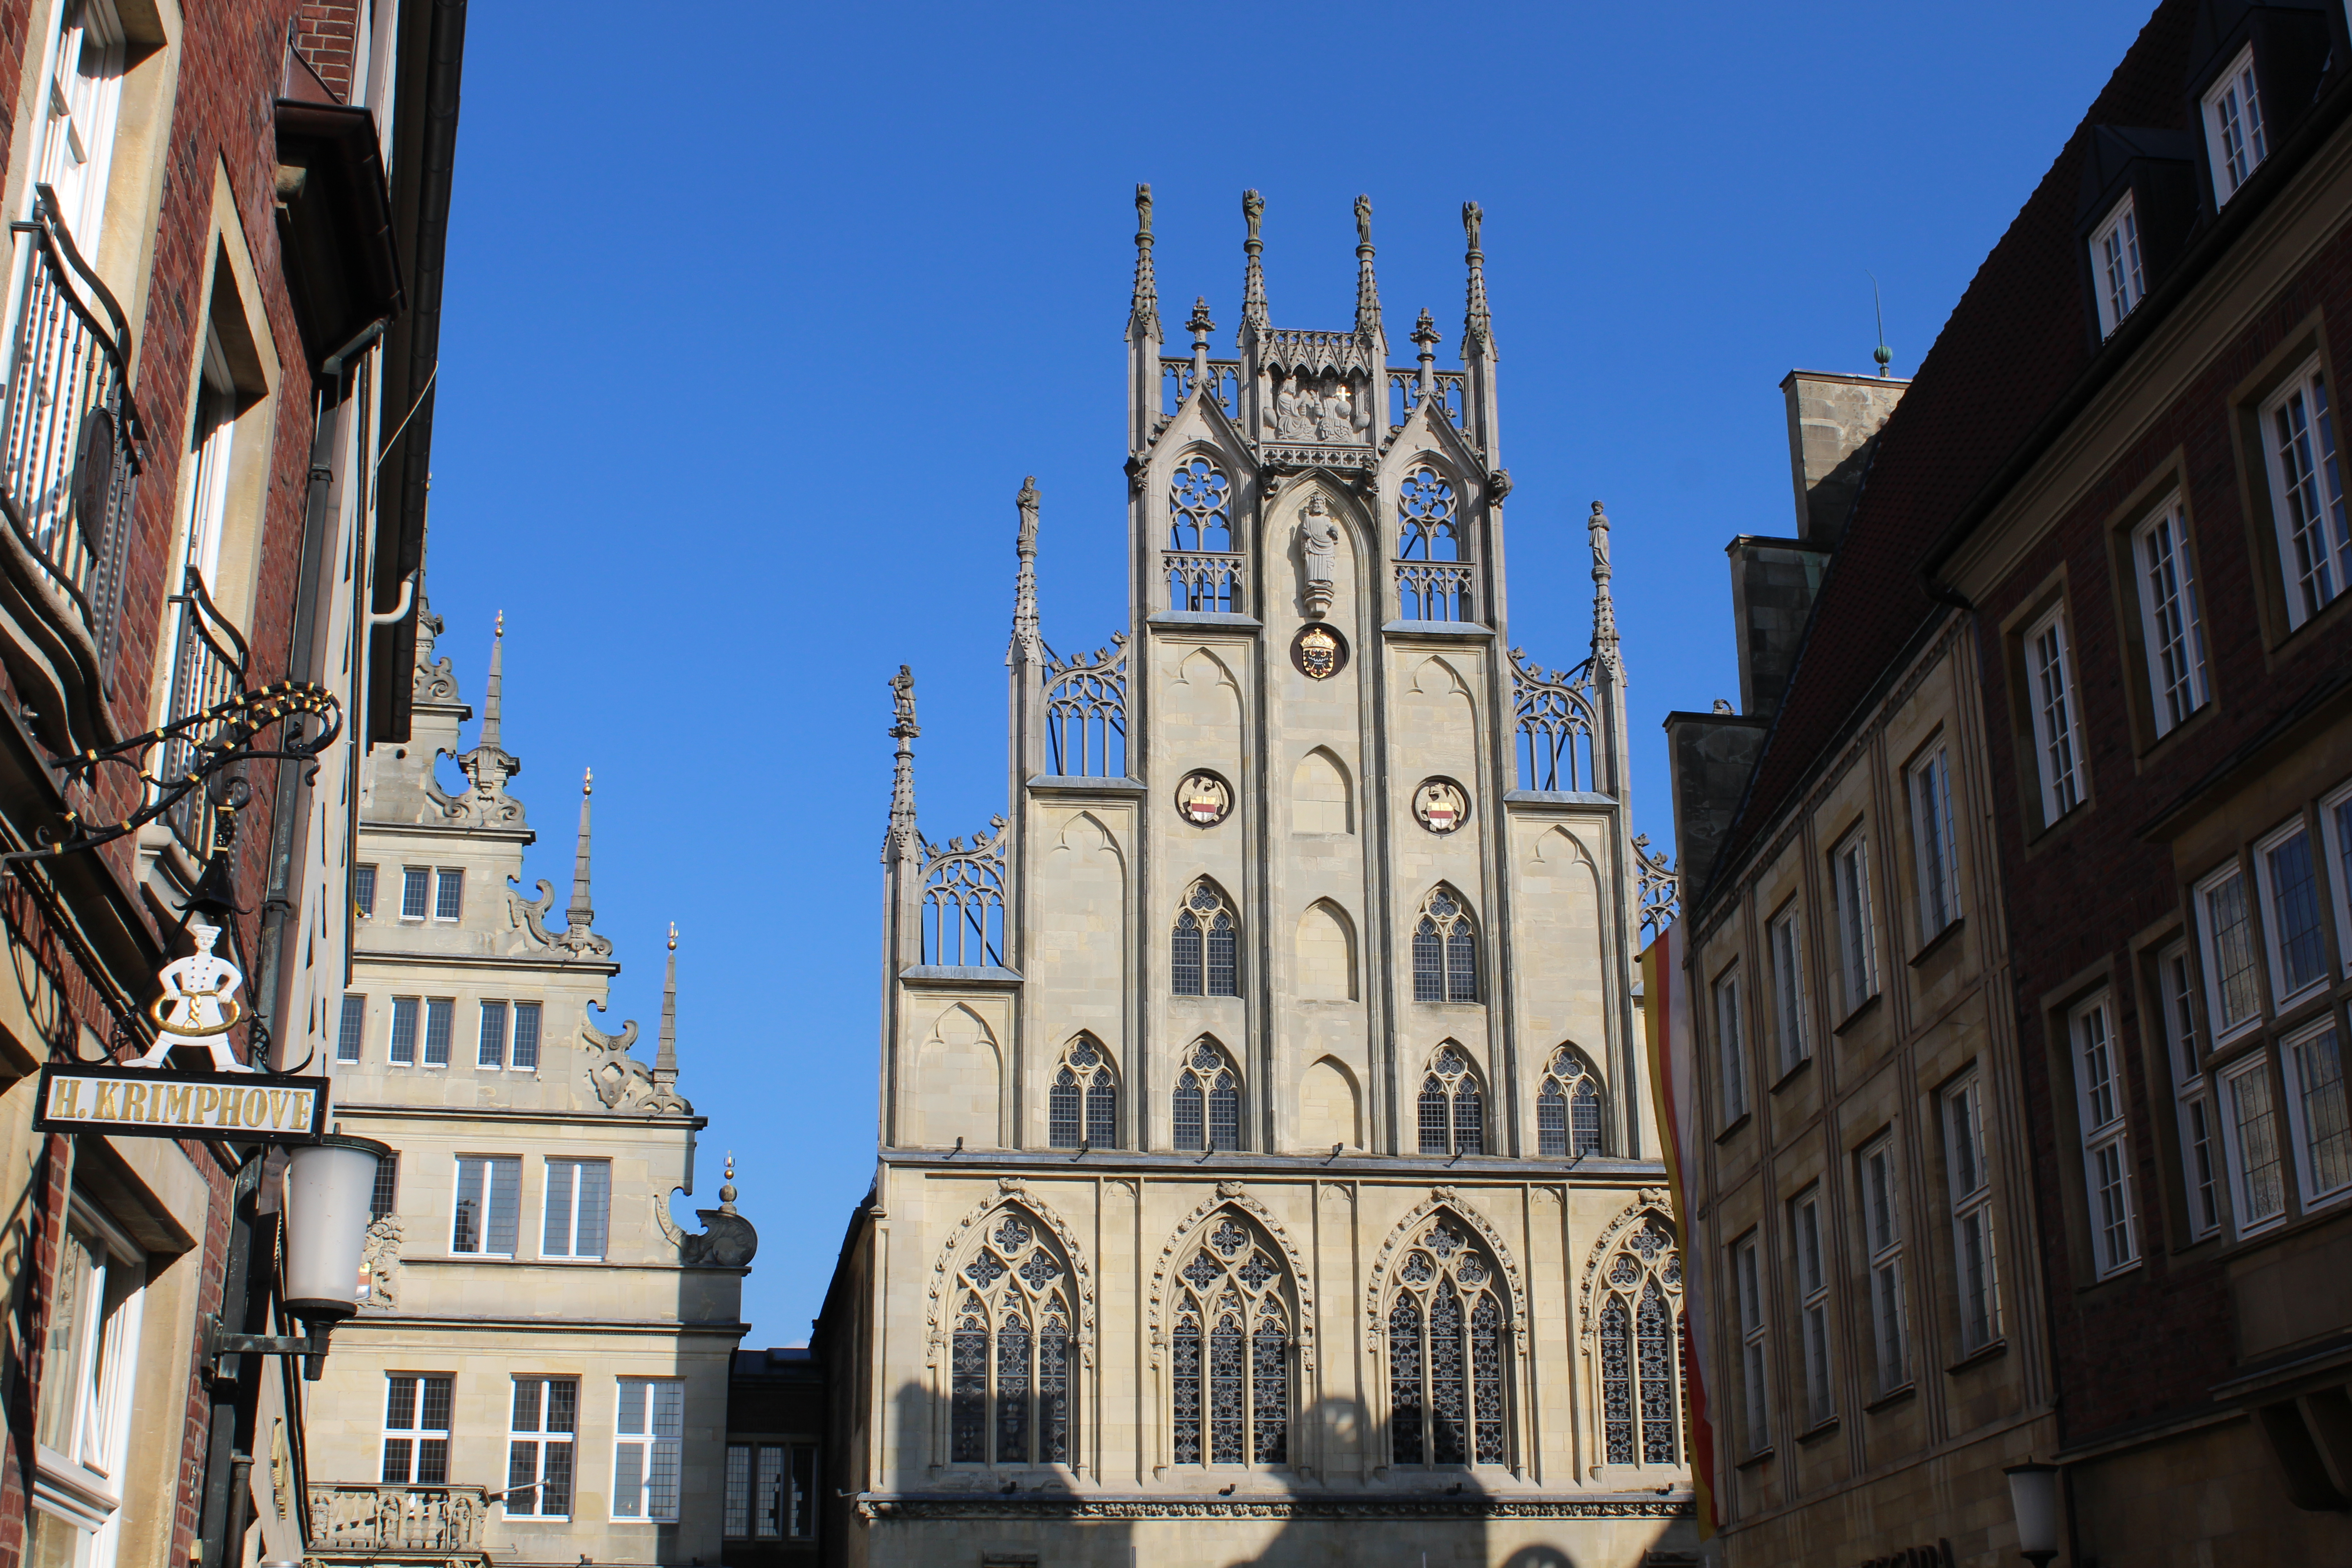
{"x": 2233, "y": 127}
{"x": 2115, "y": 258}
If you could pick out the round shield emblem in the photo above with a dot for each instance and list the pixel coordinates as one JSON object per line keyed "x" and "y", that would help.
{"x": 1441, "y": 804}
{"x": 1318, "y": 652}
{"x": 1204, "y": 799}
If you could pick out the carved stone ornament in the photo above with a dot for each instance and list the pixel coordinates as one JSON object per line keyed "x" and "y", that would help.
{"x": 1318, "y": 545}
{"x": 1443, "y": 1200}
{"x": 379, "y": 1265}
{"x": 1651, "y": 1203}
{"x": 1320, "y": 652}
{"x": 1440, "y": 805}
{"x": 1232, "y": 1199}
{"x": 1204, "y": 798}
{"x": 1011, "y": 1194}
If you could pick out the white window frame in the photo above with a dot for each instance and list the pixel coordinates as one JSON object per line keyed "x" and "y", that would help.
{"x": 1969, "y": 1182}
{"x": 1812, "y": 1303}
{"x": 1748, "y": 1285}
{"x": 2284, "y": 993}
{"x": 2202, "y": 1180}
{"x": 2236, "y": 142}
{"x": 350, "y": 1029}
{"x": 2235, "y": 1083}
{"x": 1784, "y": 938}
{"x": 486, "y": 1055}
{"x": 2299, "y": 1054}
{"x": 81, "y": 115}
{"x": 2315, "y": 560}
{"x": 1880, "y": 1184}
{"x": 560, "y": 1207}
{"x": 493, "y": 1166}
{"x": 442, "y": 1011}
{"x": 2172, "y": 629}
{"x": 419, "y": 881}
{"x": 1934, "y": 845}
{"x": 400, "y": 1044}
{"x": 2119, "y": 278}
{"x": 215, "y": 438}
{"x": 639, "y": 1445}
{"x": 517, "y": 1012}
{"x": 544, "y": 1441}
{"x": 449, "y": 892}
{"x": 416, "y": 1436}
{"x": 82, "y": 1427}
{"x": 2226, "y": 1026}
{"x": 364, "y": 890}
{"x": 1850, "y": 932}
{"x": 2335, "y": 841}
{"x": 2110, "y": 1204}
{"x": 1730, "y": 1040}
{"x": 2053, "y": 697}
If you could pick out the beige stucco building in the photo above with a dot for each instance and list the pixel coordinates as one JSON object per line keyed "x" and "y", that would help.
{"x": 1266, "y": 1167}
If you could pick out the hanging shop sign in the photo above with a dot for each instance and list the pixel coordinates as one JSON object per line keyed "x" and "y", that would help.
{"x": 138, "y": 1102}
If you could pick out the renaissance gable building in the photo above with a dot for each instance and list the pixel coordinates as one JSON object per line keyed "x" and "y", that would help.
{"x": 1266, "y": 1163}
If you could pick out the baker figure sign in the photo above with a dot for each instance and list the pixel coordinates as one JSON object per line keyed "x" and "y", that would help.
{"x": 198, "y": 1007}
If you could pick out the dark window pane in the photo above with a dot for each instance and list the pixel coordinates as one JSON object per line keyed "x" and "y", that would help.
{"x": 490, "y": 1049}
{"x": 1102, "y": 1112}
{"x": 1188, "y": 1390}
{"x": 387, "y": 1187}
{"x": 432, "y": 1461}
{"x": 1461, "y": 964}
{"x": 1469, "y": 1120}
{"x": 351, "y": 1030}
{"x": 1061, "y": 1104}
{"x": 555, "y": 1487}
{"x": 1224, "y": 975}
{"x": 1224, "y": 1114}
{"x": 526, "y": 1034}
{"x": 1188, "y": 1111}
{"x": 1185, "y": 962}
{"x": 1445, "y": 1392}
{"x": 1428, "y": 963}
{"x": 1551, "y": 1120}
{"x": 1012, "y": 1391}
{"x": 1434, "y": 1107}
{"x": 1404, "y": 1382}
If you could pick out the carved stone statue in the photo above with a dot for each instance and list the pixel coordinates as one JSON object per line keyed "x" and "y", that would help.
{"x": 1027, "y": 502}
{"x": 1318, "y": 544}
{"x": 1335, "y": 421}
{"x": 1296, "y": 408}
{"x": 1364, "y": 220}
{"x": 198, "y": 1007}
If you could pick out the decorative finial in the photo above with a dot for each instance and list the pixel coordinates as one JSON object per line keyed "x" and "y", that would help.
{"x": 673, "y": 936}
{"x": 1604, "y": 608}
{"x": 489, "y": 765}
{"x": 1426, "y": 334}
{"x": 491, "y": 686}
{"x": 1254, "y": 313}
{"x": 1882, "y": 353}
{"x": 1477, "y": 324}
{"x": 727, "y": 1187}
{"x": 1368, "y": 288}
{"x": 1025, "y": 640}
{"x": 1143, "y": 313}
{"x": 581, "y": 914}
{"x": 900, "y": 843}
{"x": 500, "y": 630}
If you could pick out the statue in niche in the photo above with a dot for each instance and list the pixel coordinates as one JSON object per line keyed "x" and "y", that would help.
{"x": 1296, "y": 410}
{"x": 1318, "y": 544}
{"x": 1336, "y": 419}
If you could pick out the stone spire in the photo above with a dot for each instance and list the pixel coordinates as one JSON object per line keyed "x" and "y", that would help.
{"x": 1254, "y": 313}
{"x": 1200, "y": 326}
{"x": 666, "y": 1043}
{"x": 489, "y": 765}
{"x": 1143, "y": 314}
{"x": 582, "y": 912}
{"x": 490, "y": 686}
{"x": 1477, "y": 326}
{"x": 1026, "y": 641}
{"x": 900, "y": 843}
{"x": 1425, "y": 338}
{"x": 1604, "y": 610}
{"x": 1368, "y": 288}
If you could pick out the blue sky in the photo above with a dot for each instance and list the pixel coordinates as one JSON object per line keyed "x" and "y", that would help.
{"x": 749, "y": 339}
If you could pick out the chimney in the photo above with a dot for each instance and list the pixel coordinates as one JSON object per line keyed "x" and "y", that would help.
{"x": 1832, "y": 418}
{"x": 1772, "y": 585}
{"x": 1708, "y": 759}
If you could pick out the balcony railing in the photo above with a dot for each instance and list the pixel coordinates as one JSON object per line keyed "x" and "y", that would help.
{"x": 1204, "y": 582}
{"x": 1433, "y": 591}
{"x": 68, "y": 431}
{"x": 367, "y": 1520}
{"x": 209, "y": 667}
{"x": 1176, "y": 385}
{"x": 1404, "y": 396}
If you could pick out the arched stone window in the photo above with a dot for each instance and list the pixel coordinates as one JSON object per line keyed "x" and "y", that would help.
{"x": 1453, "y": 1111}
{"x": 1231, "y": 1342}
{"x": 1444, "y": 951}
{"x": 1568, "y": 1107}
{"x": 1013, "y": 1390}
{"x": 1205, "y": 957}
{"x": 1640, "y": 1330}
{"x": 1082, "y": 1108}
{"x": 1449, "y": 1339}
{"x": 1433, "y": 568}
{"x": 1201, "y": 507}
{"x": 1207, "y": 1101}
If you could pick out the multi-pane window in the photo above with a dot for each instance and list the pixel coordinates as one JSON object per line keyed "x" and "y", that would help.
{"x": 448, "y": 893}
{"x": 416, "y": 1430}
{"x": 1748, "y": 1284}
{"x": 1206, "y": 1109}
{"x": 1231, "y": 1383}
{"x": 1444, "y": 951}
{"x": 92, "y": 1352}
{"x": 2225, "y": 921}
{"x": 415, "y": 891}
{"x": 579, "y": 1208}
{"x": 1449, "y": 1354}
{"x": 489, "y": 1206}
{"x": 1785, "y": 941}
{"x": 490, "y": 1043}
{"x": 645, "y": 1433}
{"x": 362, "y": 892}
{"x": 2057, "y": 734}
{"x": 525, "y": 1055}
{"x": 350, "y": 1029}
{"x": 2315, "y": 1112}
{"x": 84, "y": 100}
{"x": 1011, "y": 1391}
{"x": 440, "y": 1023}
{"x": 540, "y": 1447}
{"x": 2335, "y": 833}
{"x": 2234, "y": 139}
{"x": 1205, "y": 954}
{"x": 1640, "y": 1334}
{"x": 2114, "y": 259}
{"x": 1203, "y": 576}
{"x": 1971, "y": 1192}
{"x": 1812, "y": 1303}
{"x": 771, "y": 1491}
{"x": 2200, "y": 1147}
{"x": 1429, "y": 530}
{"x": 2172, "y": 625}
{"x": 2294, "y": 924}
{"x": 1934, "y": 844}
{"x": 401, "y": 1050}
{"x": 384, "y": 1200}
{"x": 1082, "y": 1108}
{"x": 1568, "y": 1107}
{"x": 1857, "y": 958}
{"x": 1882, "y": 1237}
{"x": 2314, "y": 536}
{"x": 1731, "y": 1046}
{"x": 2258, "y": 1191}
{"x": 509, "y": 1036}
{"x": 2106, "y": 1146}
{"x": 1452, "y": 1112}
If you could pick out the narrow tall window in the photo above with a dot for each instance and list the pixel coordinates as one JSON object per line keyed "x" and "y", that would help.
{"x": 1444, "y": 951}
{"x": 579, "y": 1208}
{"x": 1934, "y": 846}
{"x": 1789, "y": 1032}
{"x": 2115, "y": 258}
{"x": 85, "y": 93}
{"x": 1731, "y": 1044}
{"x": 2234, "y": 138}
{"x": 386, "y": 1199}
{"x": 416, "y": 1430}
{"x": 2314, "y": 536}
{"x": 2259, "y": 1188}
{"x": 490, "y": 1043}
{"x": 1882, "y": 1237}
{"x": 401, "y": 1050}
{"x": 1082, "y": 1108}
{"x": 2293, "y": 923}
{"x": 363, "y": 893}
{"x": 2107, "y": 1148}
{"x": 351, "y": 1030}
{"x": 415, "y": 891}
{"x": 2316, "y": 1107}
{"x": 1433, "y": 575}
{"x": 2057, "y": 736}
{"x": 2170, "y": 623}
{"x": 526, "y": 1037}
{"x": 1011, "y": 1392}
{"x": 1203, "y": 568}
{"x": 448, "y": 893}
{"x": 1449, "y": 1363}
{"x": 1974, "y": 1272}
{"x": 1857, "y": 951}
{"x": 1568, "y": 1107}
{"x": 1641, "y": 1387}
{"x": 2336, "y": 830}
{"x": 539, "y": 1441}
{"x": 645, "y": 1436}
{"x": 1205, "y": 957}
{"x": 1452, "y": 1112}
{"x": 1748, "y": 1282}
{"x": 2225, "y": 920}
{"x": 1814, "y": 1303}
{"x": 440, "y": 1023}
{"x": 1207, "y": 1104}
{"x": 1232, "y": 1371}
{"x": 489, "y": 1206}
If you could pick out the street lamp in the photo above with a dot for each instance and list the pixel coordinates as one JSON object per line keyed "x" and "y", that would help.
{"x": 2034, "y": 1498}
{"x": 329, "y": 1186}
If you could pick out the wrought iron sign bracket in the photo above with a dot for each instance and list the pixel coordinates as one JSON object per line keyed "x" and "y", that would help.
{"x": 221, "y": 1344}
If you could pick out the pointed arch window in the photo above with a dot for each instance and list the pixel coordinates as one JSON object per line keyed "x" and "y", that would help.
{"x": 1204, "y": 959}
{"x": 1232, "y": 1380}
{"x": 1444, "y": 951}
{"x": 1082, "y": 1109}
{"x": 1011, "y": 1378}
{"x": 1641, "y": 1340}
{"x": 1202, "y": 563}
{"x": 1431, "y": 559}
{"x": 1453, "y": 1111}
{"x": 1449, "y": 1354}
{"x": 1568, "y": 1107}
{"x": 1208, "y": 1101}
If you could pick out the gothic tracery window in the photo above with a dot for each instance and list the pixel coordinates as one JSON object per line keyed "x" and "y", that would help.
{"x": 1011, "y": 1376}
{"x": 1452, "y": 1112}
{"x": 1082, "y": 1108}
{"x": 1207, "y": 1101}
{"x": 1449, "y": 1354}
{"x": 1639, "y": 1326}
{"x": 1568, "y": 1107}
{"x": 1444, "y": 951}
{"x": 1231, "y": 1342}
{"x": 1429, "y": 521}
{"x": 1204, "y": 956}
{"x": 1205, "y": 574}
